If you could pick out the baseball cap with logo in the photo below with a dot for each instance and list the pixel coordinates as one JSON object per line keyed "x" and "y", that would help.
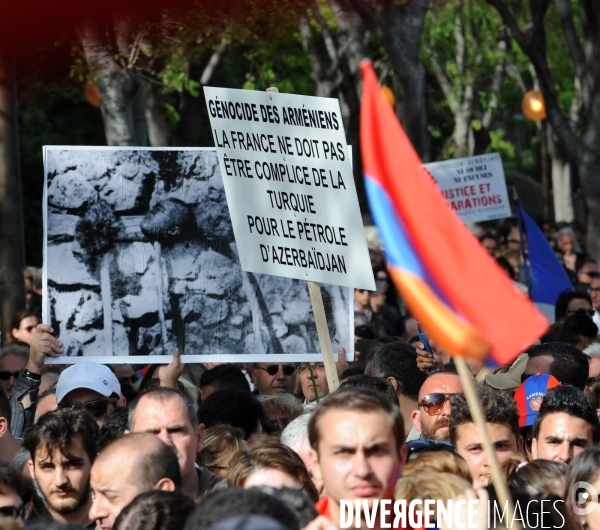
{"x": 90, "y": 375}
{"x": 530, "y": 394}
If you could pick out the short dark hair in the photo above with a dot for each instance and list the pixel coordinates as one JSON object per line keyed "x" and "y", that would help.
{"x": 223, "y": 504}
{"x": 59, "y": 429}
{"x": 162, "y": 394}
{"x": 156, "y": 509}
{"x": 568, "y": 400}
{"x": 231, "y": 407}
{"x": 298, "y": 502}
{"x": 498, "y": 408}
{"x": 576, "y": 326}
{"x": 11, "y": 477}
{"x": 582, "y": 261}
{"x": 570, "y": 365}
{"x": 563, "y": 301}
{"x": 225, "y": 376}
{"x": 585, "y": 467}
{"x": 5, "y": 410}
{"x": 372, "y": 382}
{"x": 360, "y": 400}
{"x": 115, "y": 424}
{"x": 366, "y": 347}
{"x": 399, "y": 360}
{"x": 352, "y": 371}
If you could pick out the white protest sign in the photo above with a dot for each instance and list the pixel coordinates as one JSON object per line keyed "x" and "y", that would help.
{"x": 475, "y": 187}
{"x": 289, "y": 186}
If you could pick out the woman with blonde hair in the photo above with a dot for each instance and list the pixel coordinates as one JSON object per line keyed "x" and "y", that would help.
{"x": 271, "y": 464}
{"x": 221, "y": 443}
{"x": 428, "y": 485}
{"x": 280, "y": 409}
{"x": 439, "y": 462}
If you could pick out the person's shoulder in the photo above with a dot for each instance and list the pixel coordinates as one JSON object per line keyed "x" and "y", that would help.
{"x": 208, "y": 481}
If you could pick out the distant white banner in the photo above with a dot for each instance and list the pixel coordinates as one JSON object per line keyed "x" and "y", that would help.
{"x": 140, "y": 258}
{"x": 475, "y": 187}
{"x": 289, "y": 186}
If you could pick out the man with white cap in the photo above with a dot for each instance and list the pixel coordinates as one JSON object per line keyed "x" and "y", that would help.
{"x": 90, "y": 386}
{"x": 87, "y": 385}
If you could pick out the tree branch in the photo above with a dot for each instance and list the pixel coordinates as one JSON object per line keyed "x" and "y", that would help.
{"x": 535, "y": 49}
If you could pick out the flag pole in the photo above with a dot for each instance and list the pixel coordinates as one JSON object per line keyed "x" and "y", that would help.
{"x": 470, "y": 391}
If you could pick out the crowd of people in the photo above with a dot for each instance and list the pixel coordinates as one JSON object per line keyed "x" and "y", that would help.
{"x": 270, "y": 445}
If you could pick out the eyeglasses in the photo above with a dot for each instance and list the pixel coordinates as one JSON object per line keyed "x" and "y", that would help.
{"x": 273, "y": 369}
{"x": 5, "y": 375}
{"x": 434, "y": 403}
{"x": 582, "y": 311}
{"x": 96, "y": 408}
{"x": 316, "y": 366}
{"x": 12, "y": 511}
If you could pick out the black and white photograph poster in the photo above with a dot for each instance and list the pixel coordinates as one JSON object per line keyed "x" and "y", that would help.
{"x": 140, "y": 258}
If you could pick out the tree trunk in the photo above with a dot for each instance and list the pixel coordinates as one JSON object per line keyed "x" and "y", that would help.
{"x": 399, "y": 25}
{"x": 159, "y": 131}
{"x": 12, "y": 236}
{"x": 561, "y": 183}
{"x": 121, "y": 91}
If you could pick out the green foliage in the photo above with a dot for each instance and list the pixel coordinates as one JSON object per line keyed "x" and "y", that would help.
{"x": 498, "y": 144}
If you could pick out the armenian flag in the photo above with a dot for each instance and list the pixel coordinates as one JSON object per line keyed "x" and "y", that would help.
{"x": 449, "y": 282}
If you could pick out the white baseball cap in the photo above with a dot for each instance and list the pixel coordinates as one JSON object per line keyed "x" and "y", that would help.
{"x": 90, "y": 375}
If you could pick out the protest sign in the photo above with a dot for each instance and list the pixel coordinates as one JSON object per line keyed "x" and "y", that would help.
{"x": 475, "y": 187}
{"x": 139, "y": 257}
{"x": 289, "y": 186}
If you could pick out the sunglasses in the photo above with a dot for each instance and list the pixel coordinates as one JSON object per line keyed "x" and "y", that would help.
{"x": 11, "y": 511}
{"x": 583, "y": 311}
{"x": 434, "y": 403}
{"x": 96, "y": 408}
{"x": 6, "y": 375}
{"x": 316, "y": 366}
{"x": 273, "y": 369}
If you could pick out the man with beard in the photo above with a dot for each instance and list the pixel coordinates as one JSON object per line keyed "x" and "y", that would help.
{"x": 63, "y": 445}
{"x": 436, "y": 395}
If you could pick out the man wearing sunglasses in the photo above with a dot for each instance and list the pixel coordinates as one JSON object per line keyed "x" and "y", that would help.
{"x": 15, "y": 494}
{"x": 12, "y": 360}
{"x": 90, "y": 386}
{"x": 63, "y": 446}
{"x": 502, "y": 422}
{"x": 436, "y": 396}
{"x": 274, "y": 377}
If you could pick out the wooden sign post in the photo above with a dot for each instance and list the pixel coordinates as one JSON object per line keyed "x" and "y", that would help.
{"x": 314, "y": 289}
